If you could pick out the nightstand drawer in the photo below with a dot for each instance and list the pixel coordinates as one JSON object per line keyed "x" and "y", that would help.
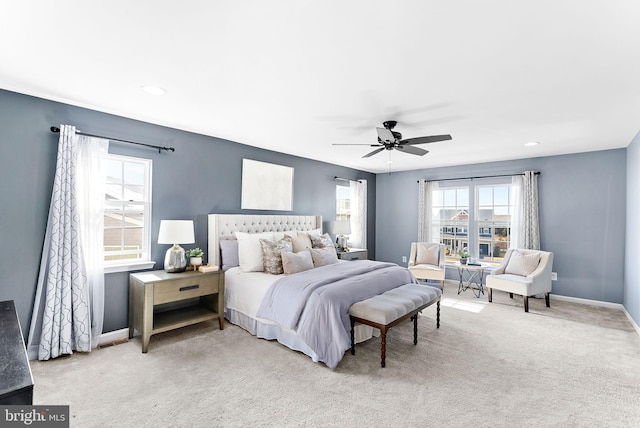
{"x": 171, "y": 291}
{"x": 353, "y": 254}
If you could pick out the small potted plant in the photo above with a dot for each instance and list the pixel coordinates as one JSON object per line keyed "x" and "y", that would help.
{"x": 195, "y": 256}
{"x": 464, "y": 256}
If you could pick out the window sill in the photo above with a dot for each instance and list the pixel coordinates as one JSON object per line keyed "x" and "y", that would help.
{"x": 129, "y": 267}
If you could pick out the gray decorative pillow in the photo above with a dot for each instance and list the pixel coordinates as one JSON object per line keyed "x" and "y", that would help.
{"x": 229, "y": 253}
{"x": 324, "y": 256}
{"x": 321, "y": 241}
{"x": 271, "y": 254}
{"x": 296, "y": 262}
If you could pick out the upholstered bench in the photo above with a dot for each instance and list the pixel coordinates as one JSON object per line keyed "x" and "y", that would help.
{"x": 391, "y": 308}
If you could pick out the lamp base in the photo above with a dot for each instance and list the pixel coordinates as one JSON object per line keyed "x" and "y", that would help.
{"x": 175, "y": 260}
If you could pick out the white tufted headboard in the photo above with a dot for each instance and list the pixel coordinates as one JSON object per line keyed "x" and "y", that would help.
{"x": 222, "y": 226}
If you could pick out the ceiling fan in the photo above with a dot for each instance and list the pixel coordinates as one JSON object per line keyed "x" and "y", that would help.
{"x": 388, "y": 139}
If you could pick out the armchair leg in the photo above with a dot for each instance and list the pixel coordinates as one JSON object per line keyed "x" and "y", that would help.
{"x": 490, "y": 294}
{"x": 511, "y": 295}
{"x": 526, "y": 303}
{"x": 546, "y": 299}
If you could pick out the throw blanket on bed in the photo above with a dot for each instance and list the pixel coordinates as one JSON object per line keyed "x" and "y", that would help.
{"x": 316, "y": 302}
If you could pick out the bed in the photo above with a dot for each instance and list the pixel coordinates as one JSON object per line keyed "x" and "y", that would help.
{"x": 317, "y": 322}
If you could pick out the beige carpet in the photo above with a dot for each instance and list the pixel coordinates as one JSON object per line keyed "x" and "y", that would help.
{"x": 488, "y": 365}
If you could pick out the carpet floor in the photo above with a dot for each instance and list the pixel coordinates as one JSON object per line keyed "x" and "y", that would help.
{"x": 488, "y": 365}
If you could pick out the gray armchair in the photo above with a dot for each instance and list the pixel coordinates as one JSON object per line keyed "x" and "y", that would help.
{"x": 524, "y": 272}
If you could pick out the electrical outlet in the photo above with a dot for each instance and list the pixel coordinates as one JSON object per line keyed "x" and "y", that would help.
{"x": 554, "y": 276}
{"x": 404, "y": 259}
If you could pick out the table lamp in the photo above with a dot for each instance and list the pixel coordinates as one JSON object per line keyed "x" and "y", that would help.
{"x": 341, "y": 228}
{"x": 175, "y": 232}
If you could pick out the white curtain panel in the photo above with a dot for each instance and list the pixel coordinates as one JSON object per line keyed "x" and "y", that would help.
{"x": 428, "y": 224}
{"x": 92, "y": 173}
{"x": 61, "y": 322}
{"x": 358, "y": 237}
{"x": 525, "y": 224}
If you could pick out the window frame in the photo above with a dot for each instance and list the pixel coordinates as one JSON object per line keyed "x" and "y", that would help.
{"x": 144, "y": 262}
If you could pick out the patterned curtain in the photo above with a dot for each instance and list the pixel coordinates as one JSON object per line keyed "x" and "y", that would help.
{"x": 358, "y": 237}
{"x": 62, "y": 316}
{"x": 428, "y": 226}
{"x": 525, "y": 227}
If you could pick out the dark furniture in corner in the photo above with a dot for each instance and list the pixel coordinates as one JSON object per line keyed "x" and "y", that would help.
{"x": 16, "y": 382}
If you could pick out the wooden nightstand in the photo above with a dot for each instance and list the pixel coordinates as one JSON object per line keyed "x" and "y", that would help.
{"x": 353, "y": 254}
{"x": 150, "y": 292}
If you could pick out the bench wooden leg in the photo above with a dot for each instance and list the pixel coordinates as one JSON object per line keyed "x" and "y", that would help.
{"x": 353, "y": 346}
{"x": 415, "y": 329}
{"x": 526, "y": 303}
{"x": 383, "y": 348}
{"x": 490, "y": 294}
{"x": 438, "y": 313}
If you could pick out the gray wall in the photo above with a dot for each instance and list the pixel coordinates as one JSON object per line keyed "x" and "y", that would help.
{"x": 631, "y": 271}
{"x": 582, "y": 203}
{"x": 203, "y": 176}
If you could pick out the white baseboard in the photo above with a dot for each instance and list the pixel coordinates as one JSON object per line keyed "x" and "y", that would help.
{"x": 114, "y": 336}
{"x": 598, "y": 303}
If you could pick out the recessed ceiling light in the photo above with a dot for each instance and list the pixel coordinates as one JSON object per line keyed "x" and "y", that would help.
{"x": 153, "y": 90}
{"x": 531, "y": 143}
{"x": 388, "y": 161}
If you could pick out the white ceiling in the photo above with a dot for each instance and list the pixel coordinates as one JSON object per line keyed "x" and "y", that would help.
{"x": 296, "y": 76}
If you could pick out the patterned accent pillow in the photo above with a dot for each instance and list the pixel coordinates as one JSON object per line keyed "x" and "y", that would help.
{"x": 296, "y": 262}
{"x": 271, "y": 254}
{"x": 321, "y": 241}
{"x": 324, "y": 256}
{"x": 522, "y": 264}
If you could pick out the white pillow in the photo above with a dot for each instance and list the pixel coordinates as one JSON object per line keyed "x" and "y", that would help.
{"x": 427, "y": 254}
{"x": 522, "y": 264}
{"x": 315, "y": 232}
{"x": 323, "y": 256}
{"x": 296, "y": 262}
{"x": 250, "y": 250}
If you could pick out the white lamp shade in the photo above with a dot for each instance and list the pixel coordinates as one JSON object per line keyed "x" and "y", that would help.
{"x": 341, "y": 227}
{"x": 176, "y": 232}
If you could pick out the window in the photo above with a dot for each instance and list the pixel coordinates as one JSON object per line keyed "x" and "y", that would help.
{"x": 493, "y": 219}
{"x": 476, "y": 218}
{"x": 343, "y": 202}
{"x": 451, "y": 218}
{"x": 127, "y": 213}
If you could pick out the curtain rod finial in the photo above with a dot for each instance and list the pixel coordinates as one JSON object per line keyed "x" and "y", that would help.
{"x": 54, "y": 129}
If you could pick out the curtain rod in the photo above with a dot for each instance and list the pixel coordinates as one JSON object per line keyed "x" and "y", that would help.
{"x": 345, "y": 179}
{"x": 55, "y": 129}
{"x": 483, "y": 176}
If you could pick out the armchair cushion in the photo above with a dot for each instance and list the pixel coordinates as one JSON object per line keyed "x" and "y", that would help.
{"x": 427, "y": 254}
{"x": 522, "y": 264}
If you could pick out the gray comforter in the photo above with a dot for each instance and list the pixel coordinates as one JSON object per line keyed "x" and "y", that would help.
{"x": 316, "y": 302}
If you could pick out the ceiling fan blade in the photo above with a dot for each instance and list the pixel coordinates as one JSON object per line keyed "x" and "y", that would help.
{"x": 385, "y": 135}
{"x": 412, "y": 150}
{"x": 424, "y": 140}
{"x": 373, "y": 152}
{"x": 355, "y": 144}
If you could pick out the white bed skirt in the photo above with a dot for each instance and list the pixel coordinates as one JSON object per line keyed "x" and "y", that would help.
{"x": 270, "y": 331}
